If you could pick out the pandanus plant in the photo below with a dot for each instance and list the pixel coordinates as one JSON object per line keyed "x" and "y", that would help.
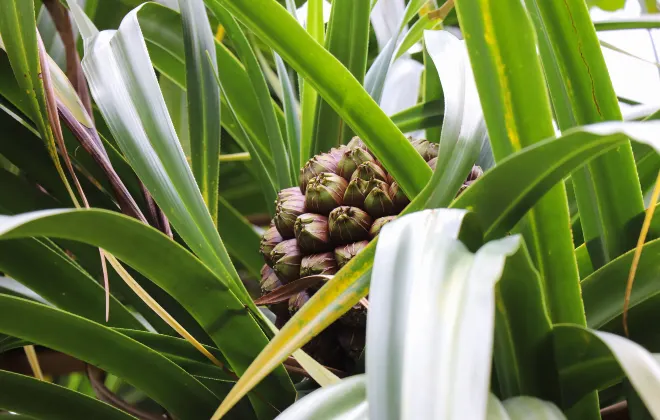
{"x": 486, "y": 260}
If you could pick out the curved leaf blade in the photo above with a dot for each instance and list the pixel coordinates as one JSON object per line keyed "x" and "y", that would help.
{"x": 347, "y": 40}
{"x": 164, "y": 262}
{"x": 640, "y": 366}
{"x": 639, "y": 22}
{"x": 203, "y": 101}
{"x": 559, "y": 157}
{"x": 603, "y": 297}
{"x": 19, "y": 35}
{"x": 424, "y": 115}
{"x": 124, "y": 86}
{"x": 523, "y": 407}
{"x": 449, "y": 296}
{"x": 18, "y": 394}
{"x": 587, "y": 365}
{"x": 607, "y": 190}
{"x": 344, "y": 400}
{"x": 147, "y": 370}
{"x": 522, "y": 332}
{"x": 260, "y": 89}
{"x": 463, "y": 128}
{"x": 58, "y": 280}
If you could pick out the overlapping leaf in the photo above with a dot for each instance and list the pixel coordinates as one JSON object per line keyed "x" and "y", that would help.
{"x": 125, "y": 88}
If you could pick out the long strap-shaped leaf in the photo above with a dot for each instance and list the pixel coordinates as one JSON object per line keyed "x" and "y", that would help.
{"x": 18, "y": 33}
{"x": 432, "y": 92}
{"x": 93, "y": 343}
{"x": 604, "y": 350}
{"x": 499, "y": 200}
{"x": 39, "y": 399}
{"x": 522, "y": 330}
{"x": 291, "y": 114}
{"x": 347, "y": 40}
{"x": 270, "y": 21}
{"x": 308, "y": 96}
{"x": 260, "y": 88}
{"x": 161, "y": 28}
{"x": 517, "y": 111}
{"x": 165, "y": 263}
{"x": 125, "y": 88}
{"x": 431, "y": 357}
{"x": 607, "y": 190}
{"x": 58, "y": 280}
{"x": 603, "y": 300}
{"x": 203, "y": 101}
{"x": 162, "y": 31}
{"x": 463, "y": 128}
{"x": 639, "y": 22}
{"x": 423, "y": 115}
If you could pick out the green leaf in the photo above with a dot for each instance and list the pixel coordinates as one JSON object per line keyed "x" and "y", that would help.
{"x": 583, "y": 94}
{"x": 18, "y": 31}
{"x": 203, "y": 101}
{"x": 291, "y": 114}
{"x": 587, "y": 364}
{"x": 181, "y": 352}
{"x": 164, "y": 262}
{"x": 609, "y": 5}
{"x": 415, "y": 34}
{"x": 432, "y": 92}
{"x": 218, "y": 380}
{"x": 517, "y": 111}
{"x": 308, "y": 97}
{"x": 241, "y": 238}
{"x": 638, "y": 22}
{"x": 557, "y": 157}
{"x": 125, "y": 88}
{"x": 18, "y": 394}
{"x": 260, "y": 89}
{"x": 268, "y": 183}
{"x": 596, "y": 349}
{"x": 177, "y": 105}
{"x": 161, "y": 28}
{"x": 423, "y": 115}
{"x": 162, "y": 380}
{"x": 463, "y": 128}
{"x": 648, "y": 165}
{"x": 603, "y": 297}
{"x": 522, "y": 332}
{"x": 347, "y": 40}
{"x": 58, "y": 280}
{"x": 273, "y": 24}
